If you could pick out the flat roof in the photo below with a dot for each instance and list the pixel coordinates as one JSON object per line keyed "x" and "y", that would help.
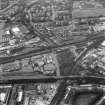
{"x": 81, "y": 13}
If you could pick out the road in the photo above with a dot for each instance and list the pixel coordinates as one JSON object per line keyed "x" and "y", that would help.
{"x": 40, "y": 78}
{"x": 35, "y": 52}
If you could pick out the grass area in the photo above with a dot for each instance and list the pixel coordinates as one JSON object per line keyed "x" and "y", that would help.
{"x": 65, "y": 60}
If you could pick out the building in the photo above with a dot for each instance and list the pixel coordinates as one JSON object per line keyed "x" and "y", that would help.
{"x": 12, "y": 1}
{"x": 3, "y": 4}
